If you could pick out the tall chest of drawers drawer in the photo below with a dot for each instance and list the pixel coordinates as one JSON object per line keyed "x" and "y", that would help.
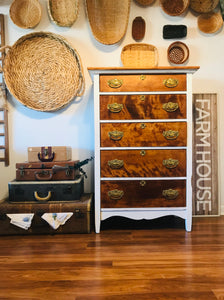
{"x": 142, "y": 143}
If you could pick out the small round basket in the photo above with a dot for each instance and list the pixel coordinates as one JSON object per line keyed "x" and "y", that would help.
{"x": 139, "y": 55}
{"x": 63, "y": 12}
{"x": 210, "y": 22}
{"x": 204, "y": 6}
{"x": 108, "y": 19}
{"x": 25, "y": 13}
{"x": 145, "y": 2}
{"x": 43, "y": 72}
{"x": 174, "y": 7}
{"x": 178, "y": 53}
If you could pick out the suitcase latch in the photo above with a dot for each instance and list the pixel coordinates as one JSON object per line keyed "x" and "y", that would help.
{"x": 78, "y": 213}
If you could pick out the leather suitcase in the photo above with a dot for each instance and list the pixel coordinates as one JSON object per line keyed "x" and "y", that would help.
{"x": 80, "y": 221}
{"x": 50, "y": 153}
{"x": 44, "y": 191}
{"x": 31, "y": 171}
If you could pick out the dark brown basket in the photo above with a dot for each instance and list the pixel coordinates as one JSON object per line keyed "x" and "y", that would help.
{"x": 174, "y": 7}
{"x": 178, "y": 53}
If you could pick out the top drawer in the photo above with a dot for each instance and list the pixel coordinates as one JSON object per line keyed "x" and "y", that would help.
{"x": 143, "y": 83}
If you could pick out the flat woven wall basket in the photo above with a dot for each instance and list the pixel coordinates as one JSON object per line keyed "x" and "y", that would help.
{"x": 108, "y": 19}
{"x": 43, "y": 71}
{"x": 25, "y": 13}
{"x": 139, "y": 55}
{"x": 174, "y": 7}
{"x": 63, "y": 12}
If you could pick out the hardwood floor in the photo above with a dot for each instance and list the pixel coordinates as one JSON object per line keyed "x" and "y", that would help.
{"x": 158, "y": 260}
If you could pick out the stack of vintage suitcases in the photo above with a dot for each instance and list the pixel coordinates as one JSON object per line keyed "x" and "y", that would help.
{"x": 49, "y": 187}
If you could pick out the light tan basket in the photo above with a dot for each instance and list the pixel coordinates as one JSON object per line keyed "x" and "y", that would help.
{"x": 63, "y": 12}
{"x": 43, "y": 71}
{"x": 210, "y": 22}
{"x": 145, "y": 2}
{"x": 108, "y": 19}
{"x": 204, "y": 6}
{"x": 178, "y": 53}
{"x": 25, "y": 13}
{"x": 174, "y": 7}
{"x": 139, "y": 56}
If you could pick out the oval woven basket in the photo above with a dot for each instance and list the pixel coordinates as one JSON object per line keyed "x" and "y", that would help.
{"x": 43, "y": 72}
{"x": 25, "y": 13}
{"x": 139, "y": 56}
{"x": 108, "y": 19}
{"x": 63, "y": 12}
{"x": 204, "y": 6}
{"x": 174, "y": 7}
{"x": 145, "y": 2}
{"x": 210, "y": 22}
{"x": 178, "y": 53}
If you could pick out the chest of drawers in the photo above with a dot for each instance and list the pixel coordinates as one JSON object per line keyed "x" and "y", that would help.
{"x": 143, "y": 143}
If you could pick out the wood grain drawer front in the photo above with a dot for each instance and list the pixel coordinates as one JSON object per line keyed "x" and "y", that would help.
{"x": 143, "y": 134}
{"x": 141, "y": 83}
{"x": 123, "y": 107}
{"x": 143, "y": 163}
{"x": 140, "y": 193}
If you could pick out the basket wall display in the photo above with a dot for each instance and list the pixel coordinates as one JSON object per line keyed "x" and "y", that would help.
{"x": 210, "y": 22}
{"x": 145, "y": 2}
{"x": 43, "y": 72}
{"x": 174, "y": 7}
{"x": 139, "y": 55}
{"x": 25, "y": 13}
{"x": 63, "y": 12}
{"x": 108, "y": 19}
{"x": 204, "y": 6}
{"x": 178, "y": 53}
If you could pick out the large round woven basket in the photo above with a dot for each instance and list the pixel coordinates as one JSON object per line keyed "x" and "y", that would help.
{"x": 108, "y": 19}
{"x": 43, "y": 72}
{"x": 174, "y": 7}
{"x": 63, "y": 12}
{"x": 204, "y": 6}
{"x": 210, "y": 22}
{"x": 25, "y": 13}
{"x": 139, "y": 55}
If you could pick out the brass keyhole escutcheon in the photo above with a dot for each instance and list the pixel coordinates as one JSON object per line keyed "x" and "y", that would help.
{"x": 142, "y": 152}
{"x": 142, "y": 183}
{"x": 142, "y": 125}
{"x": 142, "y": 77}
{"x": 142, "y": 97}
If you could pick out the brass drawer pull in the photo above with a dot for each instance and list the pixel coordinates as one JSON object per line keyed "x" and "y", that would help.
{"x": 115, "y": 83}
{"x": 170, "y": 163}
{"x": 143, "y": 126}
{"x": 142, "y": 152}
{"x": 170, "y": 82}
{"x": 116, "y": 163}
{"x": 115, "y": 107}
{"x": 170, "y": 194}
{"x": 115, "y": 135}
{"x": 142, "y": 183}
{"x": 142, "y": 77}
{"x": 142, "y": 97}
{"x": 171, "y": 134}
{"x": 115, "y": 194}
{"x": 170, "y": 106}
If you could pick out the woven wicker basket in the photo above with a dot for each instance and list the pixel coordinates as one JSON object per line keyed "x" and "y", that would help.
{"x": 174, "y": 7}
{"x": 178, "y": 53}
{"x": 108, "y": 19}
{"x": 145, "y": 2}
{"x": 204, "y": 6}
{"x": 25, "y": 13}
{"x": 139, "y": 56}
{"x": 210, "y": 22}
{"x": 43, "y": 71}
{"x": 63, "y": 12}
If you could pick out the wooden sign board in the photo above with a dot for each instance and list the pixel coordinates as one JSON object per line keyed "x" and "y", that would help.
{"x": 205, "y": 166}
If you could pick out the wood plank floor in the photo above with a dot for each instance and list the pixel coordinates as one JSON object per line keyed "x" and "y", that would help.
{"x": 158, "y": 260}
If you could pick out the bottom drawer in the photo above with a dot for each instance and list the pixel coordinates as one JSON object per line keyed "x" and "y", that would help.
{"x": 143, "y": 193}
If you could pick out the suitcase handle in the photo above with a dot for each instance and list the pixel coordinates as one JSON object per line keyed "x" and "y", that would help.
{"x": 38, "y": 177}
{"x": 46, "y": 154}
{"x": 38, "y": 198}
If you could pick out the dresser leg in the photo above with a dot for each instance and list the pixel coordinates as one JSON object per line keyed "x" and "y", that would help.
{"x": 97, "y": 223}
{"x": 188, "y": 224}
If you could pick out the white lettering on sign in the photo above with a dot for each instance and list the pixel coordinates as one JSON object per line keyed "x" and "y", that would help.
{"x": 203, "y": 158}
